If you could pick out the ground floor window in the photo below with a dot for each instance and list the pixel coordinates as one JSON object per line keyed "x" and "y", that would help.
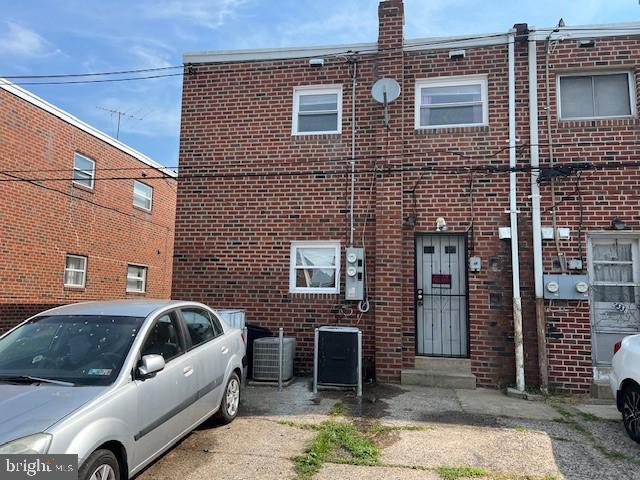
{"x": 75, "y": 271}
{"x": 136, "y": 278}
{"x": 315, "y": 267}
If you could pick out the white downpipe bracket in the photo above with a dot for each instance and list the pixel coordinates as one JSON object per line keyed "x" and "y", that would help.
{"x": 513, "y": 213}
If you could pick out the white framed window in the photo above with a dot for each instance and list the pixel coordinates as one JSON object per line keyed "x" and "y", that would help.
{"x": 315, "y": 267}
{"x": 75, "y": 271}
{"x": 84, "y": 171}
{"x": 142, "y": 195}
{"x": 136, "y": 278}
{"x": 317, "y": 110}
{"x": 452, "y": 102}
{"x": 596, "y": 95}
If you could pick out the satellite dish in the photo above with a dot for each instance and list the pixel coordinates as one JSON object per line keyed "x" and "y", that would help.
{"x": 385, "y": 90}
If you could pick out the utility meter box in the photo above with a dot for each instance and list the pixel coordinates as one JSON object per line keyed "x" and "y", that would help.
{"x": 354, "y": 271}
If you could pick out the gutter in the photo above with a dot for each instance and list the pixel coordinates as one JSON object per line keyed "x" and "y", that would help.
{"x": 536, "y": 223}
{"x": 513, "y": 214}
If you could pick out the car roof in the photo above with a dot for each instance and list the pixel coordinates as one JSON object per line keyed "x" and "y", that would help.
{"x": 117, "y": 308}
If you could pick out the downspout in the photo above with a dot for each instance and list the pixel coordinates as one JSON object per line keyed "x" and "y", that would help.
{"x": 513, "y": 213}
{"x": 353, "y": 147}
{"x": 536, "y": 223}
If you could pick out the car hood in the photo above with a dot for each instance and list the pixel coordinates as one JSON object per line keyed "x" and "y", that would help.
{"x": 28, "y": 409}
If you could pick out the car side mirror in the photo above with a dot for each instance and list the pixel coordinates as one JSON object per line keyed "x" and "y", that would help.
{"x": 150, "y": 365}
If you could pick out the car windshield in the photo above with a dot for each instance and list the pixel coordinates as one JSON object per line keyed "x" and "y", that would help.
{"x": 79, "y": 349}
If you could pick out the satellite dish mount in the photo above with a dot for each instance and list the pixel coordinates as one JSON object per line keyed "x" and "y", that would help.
{"x": 385, "y": 91}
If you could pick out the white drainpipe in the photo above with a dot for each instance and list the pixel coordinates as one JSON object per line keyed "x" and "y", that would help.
{"x": 513, "y": 213}
{"x": 536, "y": 224}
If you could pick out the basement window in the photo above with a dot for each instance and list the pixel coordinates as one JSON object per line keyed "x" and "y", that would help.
{"x": 601, "y": 95}
{"x": 136, "y": 278}
{"x": 451, "y": 102}
{"x": 75, "y": 271}
{"x": 84, "y": 170}
{"x": 315, "y": 267}
{"x": 142, "y": 195}
{"x": 317, "y": 110}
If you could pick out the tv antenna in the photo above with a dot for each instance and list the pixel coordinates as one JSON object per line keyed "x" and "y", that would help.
{"x": 385, "y": 91}
{"x": 120, "y": 115}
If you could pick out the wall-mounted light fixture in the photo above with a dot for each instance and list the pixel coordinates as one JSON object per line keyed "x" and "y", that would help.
{"x": 618, "y": 224}
{"x": 316, "y": 62}
{"x": 441, "y": 225}
{"x": 457, "y": 54}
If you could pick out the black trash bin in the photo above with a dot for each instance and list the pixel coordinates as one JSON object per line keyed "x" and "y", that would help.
{"x": 254, "y": 332}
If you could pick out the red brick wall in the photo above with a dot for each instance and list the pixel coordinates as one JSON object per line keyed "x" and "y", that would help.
{"x": 233, "y": 233}
{"x": 38, "y": 227}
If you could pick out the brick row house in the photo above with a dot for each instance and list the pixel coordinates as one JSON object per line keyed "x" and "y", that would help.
{"x": 500, "y": 153}
{"x": 71, "y": 232}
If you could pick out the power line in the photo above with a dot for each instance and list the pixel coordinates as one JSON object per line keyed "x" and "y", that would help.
{"x": 93, "y": 74}
{"x": 564, "y": 169}
{"x": 465, "y": 155}
{"x": 66, "y": 194}
{"x": 106, "y": 80}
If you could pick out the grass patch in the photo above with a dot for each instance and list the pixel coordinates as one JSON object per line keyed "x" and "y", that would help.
{"x": 455, "y": 473}
{"x": 378, "y": 428}
{"x": 337, "y": 410}
{"x": 589, "y": 417}
{"x": 522, "y": 429}
{"x": 336, "y": 442}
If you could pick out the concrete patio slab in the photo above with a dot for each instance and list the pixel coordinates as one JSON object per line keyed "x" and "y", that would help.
{"x": 332, "y": 471}
{"x": 483, "y": 401}
{"x": 496, "y": 449}
{"x": 604, "y": 412}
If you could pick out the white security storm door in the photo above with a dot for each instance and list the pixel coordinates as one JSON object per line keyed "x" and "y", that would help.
{"x": 615, "y": 278}
{"x": 441, "y": 295}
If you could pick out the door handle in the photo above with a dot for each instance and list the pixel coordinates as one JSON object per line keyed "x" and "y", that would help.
{"x": 187, "y": 371}
{"x": 224, "y": 350}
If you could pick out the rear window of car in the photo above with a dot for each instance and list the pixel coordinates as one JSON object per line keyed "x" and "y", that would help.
{"x": 199, "y": 325}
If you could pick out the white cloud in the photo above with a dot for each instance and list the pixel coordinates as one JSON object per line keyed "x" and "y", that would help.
{"x": 17, "y": 40}
{"x": 207, "y": 13}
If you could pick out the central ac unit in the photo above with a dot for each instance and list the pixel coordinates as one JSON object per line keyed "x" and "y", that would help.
{"x": 265, "y": 358}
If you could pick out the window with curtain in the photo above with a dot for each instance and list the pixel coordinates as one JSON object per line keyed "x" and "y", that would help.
{"x": 597, "y": 95}
{"x": 454, "y": 102}
{"x": 315, "y": 267}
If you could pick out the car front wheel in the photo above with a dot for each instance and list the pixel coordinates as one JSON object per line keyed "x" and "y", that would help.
{"x": 101, "y": 465}
{"x": 230, "y": 400}
{"x": 631, "y": 411}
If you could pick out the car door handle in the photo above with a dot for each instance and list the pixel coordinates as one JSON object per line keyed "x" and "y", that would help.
{"x": 224, "y": 350}
{"x": 187, "y": 371}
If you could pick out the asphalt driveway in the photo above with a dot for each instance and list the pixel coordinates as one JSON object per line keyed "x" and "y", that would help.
{"x": 405, "y": 432}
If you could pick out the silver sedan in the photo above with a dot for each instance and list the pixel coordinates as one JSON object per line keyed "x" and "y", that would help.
{"x": 116, "y": 383}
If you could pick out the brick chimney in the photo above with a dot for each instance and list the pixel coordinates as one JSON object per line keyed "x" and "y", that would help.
{"x": 390, "y": 24}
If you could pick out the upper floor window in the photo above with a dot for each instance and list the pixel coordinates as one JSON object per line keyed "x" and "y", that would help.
{"x": 142, "y": 195}
{"x": 136, "y": 278}
{"x": 84, "y": 170}
{"x": 317, "y": 110}
{"x": 451, "y": 102}
{"x": 315, "y": 267}
{"x": 599, "y": 95}
{"x": 75, "y": 271}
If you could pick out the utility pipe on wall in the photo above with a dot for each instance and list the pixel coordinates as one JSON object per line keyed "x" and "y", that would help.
{"x": 536, "y": 223}
{"x": 513, "y": 213}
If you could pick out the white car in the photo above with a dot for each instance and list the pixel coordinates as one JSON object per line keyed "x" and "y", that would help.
{"x": 116, "y": 383}
{"x": 625, "y": 383}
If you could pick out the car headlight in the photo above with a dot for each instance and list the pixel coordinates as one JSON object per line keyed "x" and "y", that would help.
{"x": 38, "y": 443}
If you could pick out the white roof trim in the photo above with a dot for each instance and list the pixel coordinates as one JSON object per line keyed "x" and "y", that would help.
{"x": 76, "y": 122}
{"x": 277, "y": 53}
{"x": 586, "y": 31}
{"x": 414, "y": 44}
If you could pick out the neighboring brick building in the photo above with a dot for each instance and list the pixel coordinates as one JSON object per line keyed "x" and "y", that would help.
{"x": 80, "y": 236}
{"x": 266, "y": 140}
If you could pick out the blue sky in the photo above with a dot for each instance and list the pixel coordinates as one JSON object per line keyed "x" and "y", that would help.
{"x": 67, "y": 36}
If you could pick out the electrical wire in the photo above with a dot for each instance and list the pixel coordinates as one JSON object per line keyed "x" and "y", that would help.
{"x": 106, "y": 80}
{"x": 96, "y": 204}
{"x": 93, "y": 74}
